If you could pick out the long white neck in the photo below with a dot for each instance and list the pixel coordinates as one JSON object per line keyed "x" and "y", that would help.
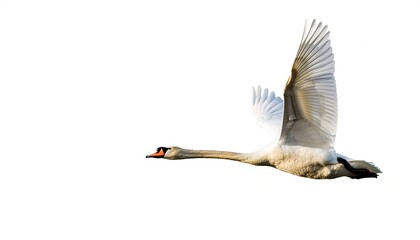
{"x": 251, "y": 158}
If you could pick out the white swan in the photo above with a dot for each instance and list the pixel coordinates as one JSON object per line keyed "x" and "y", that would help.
{"x": 309, "y": 114}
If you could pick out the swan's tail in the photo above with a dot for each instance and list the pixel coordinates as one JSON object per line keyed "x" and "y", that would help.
{"x": 366, "y": 165}
{"x": 360, "y": 169}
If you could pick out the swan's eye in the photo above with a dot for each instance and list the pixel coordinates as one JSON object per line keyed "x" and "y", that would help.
{"x": 164, "y": 149}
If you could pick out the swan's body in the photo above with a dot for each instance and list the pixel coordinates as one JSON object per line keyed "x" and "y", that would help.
{"x": 308, "y": 120}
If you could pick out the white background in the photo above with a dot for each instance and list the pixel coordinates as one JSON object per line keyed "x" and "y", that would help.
{"x": 88, "y": 88}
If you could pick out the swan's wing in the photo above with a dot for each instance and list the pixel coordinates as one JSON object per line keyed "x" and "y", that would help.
{"x": 310, "y": 111}
{"x": 268, "y": 110}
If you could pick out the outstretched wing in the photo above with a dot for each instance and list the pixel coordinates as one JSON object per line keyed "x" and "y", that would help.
{"x": 268, "y": 110}
{"x": 310, "y": 111}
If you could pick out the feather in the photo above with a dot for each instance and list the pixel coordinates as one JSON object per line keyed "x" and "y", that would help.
{"x": 268, "y": 110}
{"x": 310, "y": 112}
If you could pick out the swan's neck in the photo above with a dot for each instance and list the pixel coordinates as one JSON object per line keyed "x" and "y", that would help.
{"x": 189, "y": 153}
{"x": 250, "y": 158}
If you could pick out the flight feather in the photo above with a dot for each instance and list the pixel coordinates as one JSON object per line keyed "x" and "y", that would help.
{"x": 310, "y": 96}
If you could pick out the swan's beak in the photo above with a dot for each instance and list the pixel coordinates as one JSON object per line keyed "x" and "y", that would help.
{"x": 158, "y": 154}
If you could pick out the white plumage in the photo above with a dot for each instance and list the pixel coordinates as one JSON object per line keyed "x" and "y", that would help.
{"x": 268, "y": 110}
{"x": 310, "y": 117}
{"x": 307, "y": 119}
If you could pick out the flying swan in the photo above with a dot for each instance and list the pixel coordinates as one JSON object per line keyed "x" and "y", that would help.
{"x": 308, "y": 115}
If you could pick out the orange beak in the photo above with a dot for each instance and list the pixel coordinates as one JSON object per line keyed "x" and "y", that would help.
{"x": 158, "y": 154}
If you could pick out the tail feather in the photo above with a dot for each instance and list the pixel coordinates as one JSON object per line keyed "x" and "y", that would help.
{"x": 359, "y": 169}
{"x": 366, "y": 165}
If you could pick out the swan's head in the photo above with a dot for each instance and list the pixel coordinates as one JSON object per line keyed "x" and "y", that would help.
{"x": 165, "y": 152}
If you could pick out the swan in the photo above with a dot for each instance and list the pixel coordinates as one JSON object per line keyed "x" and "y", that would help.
{"x": 305, "y": 122}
